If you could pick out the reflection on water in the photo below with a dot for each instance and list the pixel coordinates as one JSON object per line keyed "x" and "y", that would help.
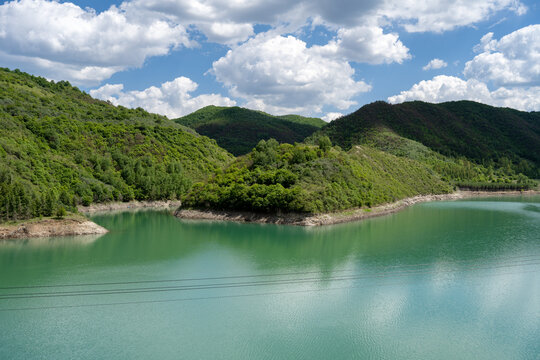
{"x": 49, "y": 242}
{"x": 438, "y": 280}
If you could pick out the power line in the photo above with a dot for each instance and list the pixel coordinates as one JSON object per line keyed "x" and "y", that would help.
{"x": 250, "y": 283}
{"x": 231, "y": 276}
{"x": 224, "y": 296}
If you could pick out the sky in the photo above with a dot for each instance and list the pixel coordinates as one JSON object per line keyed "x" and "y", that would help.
{"x": 314, "y": 57}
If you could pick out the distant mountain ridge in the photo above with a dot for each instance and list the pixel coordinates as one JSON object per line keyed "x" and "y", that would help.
{"x": 238, "y": 130}
{"x": 461, "y": 128}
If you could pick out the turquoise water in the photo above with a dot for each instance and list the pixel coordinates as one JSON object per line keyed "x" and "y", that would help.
{"x": 441, "y": 280}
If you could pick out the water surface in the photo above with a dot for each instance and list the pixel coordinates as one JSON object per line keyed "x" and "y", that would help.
{"x": 441, "y": 280}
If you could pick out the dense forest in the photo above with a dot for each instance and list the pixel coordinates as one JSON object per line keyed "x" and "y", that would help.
{"x": 496, "y": 137}
{"x": 59, "y": 147}
{"x": 314, "y": 179}
{"x": 391, "y": 152}
{"x": 238, "y": 130}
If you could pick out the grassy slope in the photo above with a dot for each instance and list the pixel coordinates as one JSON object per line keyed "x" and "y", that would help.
{"x": 238, "y": 130}
{"x": 478, "y": 132}
{"x": 60, "y": 147}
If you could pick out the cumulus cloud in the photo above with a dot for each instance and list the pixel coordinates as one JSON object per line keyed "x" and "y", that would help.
{"x": 367, "y": 44}
{"x": 512, "y": 60}
{"x": 518, "y": 98}
{"x": 282, "y": 75}
{"x": 435, "y": 64}
{"x": 91, "y": 46}
{"x": 505, "y": 73}
{"x": 199, "y": 11}
{"x": 331, "y": 116}
{"x": 449, "y": 88}
{"x": 225, "y": 22}
{"x": 226, "y": 33}
{"x": 89, "y": 75}
{"x": 413, "y": 15}
{"x": 172, "y": 98}
{"x": 444, "y": 88}
{"x": 445, "y": 15}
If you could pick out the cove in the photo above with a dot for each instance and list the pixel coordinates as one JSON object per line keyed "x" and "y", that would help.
{"x": 445, "y": 280}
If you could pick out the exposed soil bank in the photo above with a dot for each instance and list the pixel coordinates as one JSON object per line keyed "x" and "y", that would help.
{"x": 337, "y": 217}
{"x": 75, "y": 225}
{"x": 50, "y": 227}
{"x": 114, "y": 206}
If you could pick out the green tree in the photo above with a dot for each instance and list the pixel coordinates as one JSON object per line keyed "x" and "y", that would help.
{"x": 61, "y": 212}
{"x": 324, "y": 143}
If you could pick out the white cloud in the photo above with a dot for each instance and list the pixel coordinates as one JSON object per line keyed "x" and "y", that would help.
{"x": 413, "y": 15}
{"x": 226, "y": 33}
{"x": 449, "y": 88}
{"x": 237, "y": 11}
{"x": 366, "y": 44}
{"x": 87, "y": 44}
{"x": 61, "y": 40}
{"x": 435, "y": 64}
{"x": 512, "y": 60}
{"x": 225, "y": 22}
{"x": 78, "y": 74}
{"x": 172, "y": 98}
{"x": 506, "y": 73}
{"x": 444, "y": 15}
{"x": 444, "y": 88}
{"x": 331, "y": 116}
{"x": 518, "y": 98}
{"x": 281, "y": 75}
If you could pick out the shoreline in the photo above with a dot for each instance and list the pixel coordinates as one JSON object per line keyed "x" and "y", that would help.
{"x": 344, "y": 216}
{"x": 75, "y": 225}
{"x": 130, "y": 205}
{"x": 50, "y": 227}
{"x": 79, "y": 225}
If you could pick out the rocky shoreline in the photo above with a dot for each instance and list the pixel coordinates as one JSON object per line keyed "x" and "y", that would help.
{"x": 50, "y": 227}
{"x": 337, "y": 217}
{"x": 131, "y": 205}
{"x": 76, "y": 224}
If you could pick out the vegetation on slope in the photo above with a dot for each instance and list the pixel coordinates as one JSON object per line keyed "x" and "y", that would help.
{"x": 59, "y": 147}
{"x": 313, "y": 179}
{"x": 460, "y": 172}
{"x": 238, "y": 130}
{"x": 380, "y": 166}
{"x": 494, "y": 137}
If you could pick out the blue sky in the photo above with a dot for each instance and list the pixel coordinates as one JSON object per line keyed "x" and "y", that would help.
{"x": 318, "y": 58}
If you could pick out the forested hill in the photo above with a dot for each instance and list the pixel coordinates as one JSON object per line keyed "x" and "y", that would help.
{"x": 238, "y": 129}
{"x": 59, "y": 147}
{"x": 313, "y": 179}
{"x": 463, "y": 128}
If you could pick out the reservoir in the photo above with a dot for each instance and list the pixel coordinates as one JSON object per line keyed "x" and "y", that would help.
{"x": 439, "y": 280}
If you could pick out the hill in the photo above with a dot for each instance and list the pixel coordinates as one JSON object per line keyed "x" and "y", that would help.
{"x": 498, "y": 137}
{"x": 238, "y": 129}
{"x": 313, "y": 179}
{"x": 59, "y": 147}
